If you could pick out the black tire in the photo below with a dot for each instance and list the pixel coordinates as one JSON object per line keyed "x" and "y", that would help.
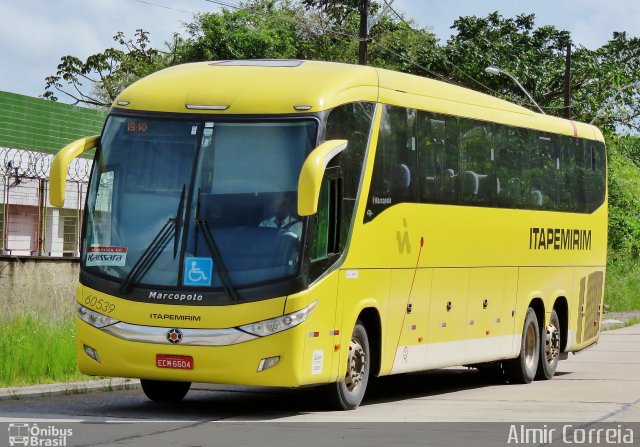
{"x": 165, "y": 391}
{"x": 523, "y": 368}
{"x": 348, "y": 393}
{"x": 549, "y": 349}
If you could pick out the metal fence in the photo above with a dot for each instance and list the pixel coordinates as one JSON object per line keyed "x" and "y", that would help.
{"x": 29, "y": 226}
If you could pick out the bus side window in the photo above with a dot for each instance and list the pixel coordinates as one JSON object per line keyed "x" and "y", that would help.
{"x": 478, "y": 179}
{"x": 393, "y": 179}
{"x": 541, "y": 171}
{"x": 512, "y": 184}
{"x": 325, "y": 241}
{"x": 595, "y": 174}
{"x": 438, "y": 158}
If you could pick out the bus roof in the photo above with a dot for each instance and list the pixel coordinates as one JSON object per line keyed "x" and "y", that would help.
{"x": 296, "y": 86}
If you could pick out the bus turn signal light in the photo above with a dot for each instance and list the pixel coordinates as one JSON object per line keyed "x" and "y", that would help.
{"x": 268, "y": 363}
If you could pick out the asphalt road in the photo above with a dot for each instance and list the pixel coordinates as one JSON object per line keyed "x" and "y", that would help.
{"x": 446, "y": 407}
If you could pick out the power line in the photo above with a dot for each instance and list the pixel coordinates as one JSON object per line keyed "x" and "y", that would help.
{"x": 341, "y": 34}
{"x": 444, "y": 58}
{"x": 163, "y": 6}
{"x": 228, "y": 5}
{"x": 306, "y": 25}
{"x": 292, "y": 20}
{"x": 516, "y": 99}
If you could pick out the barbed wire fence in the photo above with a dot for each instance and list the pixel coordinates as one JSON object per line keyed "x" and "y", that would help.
{"x": 29, "y": 226}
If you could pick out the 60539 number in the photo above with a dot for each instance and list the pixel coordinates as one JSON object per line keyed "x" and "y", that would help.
{"x": 99, "y": 304}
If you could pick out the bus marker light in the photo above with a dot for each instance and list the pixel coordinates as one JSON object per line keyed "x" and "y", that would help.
{"x": 92, "y": 353}
{"x": 420, "y": 339}
{"x": 123, "y": 103}
{"x": 174, "y": 361}
{"x": 443, "y": 324}
{"x": 268, "y": 363}
{"x": 336, "y": 347}
{"x": 314, "y": 334}
{"x": 334, "y": 332}
{"x": 302, "y": 108}
{"x": 206, "y": 107}
{"x": 94, "y": 318}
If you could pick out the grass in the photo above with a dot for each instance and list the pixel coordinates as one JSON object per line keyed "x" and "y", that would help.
{"x": 37, "y": 351}
{"x": 622, "y": 286}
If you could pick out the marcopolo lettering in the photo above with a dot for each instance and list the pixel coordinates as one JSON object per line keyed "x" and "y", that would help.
{"x": 381, "y": 200}
{"x": 175, "y": 296}
{"x": 559, "y": 239}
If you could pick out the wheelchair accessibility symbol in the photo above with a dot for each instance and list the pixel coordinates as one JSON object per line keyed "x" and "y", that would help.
{"x": 197, "y": 271}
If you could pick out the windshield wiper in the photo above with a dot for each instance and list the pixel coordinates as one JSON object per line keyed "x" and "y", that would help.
{"x": 223, "y": 272}
{"x": 172, "y": 227}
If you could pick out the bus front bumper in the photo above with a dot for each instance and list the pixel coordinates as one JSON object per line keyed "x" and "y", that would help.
{"x": 238, "y": 363}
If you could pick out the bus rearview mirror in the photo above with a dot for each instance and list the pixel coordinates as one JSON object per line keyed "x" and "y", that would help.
{"x": 60, "y": 166}
{"x": 311, "y": 174}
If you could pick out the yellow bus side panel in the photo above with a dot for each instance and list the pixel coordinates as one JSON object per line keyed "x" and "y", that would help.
{"x": 414, "y": 324}
{"x": 360, "y": 289}
{"x": 322, "y": 334}
{"x": 586, "y": 315}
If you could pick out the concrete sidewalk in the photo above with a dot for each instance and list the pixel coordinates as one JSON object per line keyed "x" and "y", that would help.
{"x": 67, "y": 388}
{"x": 617, "y": 320}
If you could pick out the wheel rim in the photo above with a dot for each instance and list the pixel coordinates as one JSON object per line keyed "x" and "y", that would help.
{"x": 552, "y": 343}
{"x": 530, "y": 346}
{"x": 357, "y": 364}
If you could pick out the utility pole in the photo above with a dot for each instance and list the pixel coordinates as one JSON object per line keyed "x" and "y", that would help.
{"x": 364, "y": 32}
{"x": 567, "y": 82}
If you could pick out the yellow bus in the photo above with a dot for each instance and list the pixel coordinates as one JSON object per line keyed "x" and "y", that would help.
{"x": 291, "y": 223}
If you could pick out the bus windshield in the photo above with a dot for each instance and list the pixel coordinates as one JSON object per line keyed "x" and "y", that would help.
{"x": 183, "y": 203}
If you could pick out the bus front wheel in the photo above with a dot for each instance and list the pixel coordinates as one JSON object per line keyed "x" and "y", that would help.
{"x": 523, "y": 368}
{"x": 549, "y": 349}
{"x": 165, "y": 391}
{"x": 347, "y": 394}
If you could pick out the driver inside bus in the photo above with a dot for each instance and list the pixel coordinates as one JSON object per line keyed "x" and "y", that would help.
{"x": 282, "y": 218}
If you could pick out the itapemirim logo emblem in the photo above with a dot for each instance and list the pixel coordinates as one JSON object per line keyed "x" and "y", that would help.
{"x": 33, "y": 435}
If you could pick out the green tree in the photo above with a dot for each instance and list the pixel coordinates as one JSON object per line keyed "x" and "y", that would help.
{"x": 261, "y": 29}
{"x": 536, "y": 57}
{"x": 611, "y": 67}
{"x": 99, "y": 79}
{"x": 624, "y": 195}
{"x": 533, "y": 55}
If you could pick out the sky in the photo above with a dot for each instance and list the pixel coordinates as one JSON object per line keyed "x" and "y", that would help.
{"x": 35, "y": 34}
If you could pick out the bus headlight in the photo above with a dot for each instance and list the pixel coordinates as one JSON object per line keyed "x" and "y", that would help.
{"x": 279, "y": 324}
{"x": 94, "y": 318}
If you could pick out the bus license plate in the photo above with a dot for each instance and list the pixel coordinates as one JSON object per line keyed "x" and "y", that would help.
{"x": 174, "y": 361}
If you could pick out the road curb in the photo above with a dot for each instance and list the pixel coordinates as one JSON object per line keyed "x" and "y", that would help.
{"x": 60, "y": 389}
{"x": 611, "y": 324}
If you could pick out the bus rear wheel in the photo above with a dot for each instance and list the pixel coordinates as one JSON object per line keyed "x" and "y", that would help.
{"x": 549, "y": 349}
{"x": 165, "y": 391}
{"x": 348, "y": 394}
{"x": 523, "y": 368}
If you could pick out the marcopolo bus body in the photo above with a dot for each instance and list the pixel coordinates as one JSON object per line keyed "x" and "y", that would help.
{"x": 290, "y": 223}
